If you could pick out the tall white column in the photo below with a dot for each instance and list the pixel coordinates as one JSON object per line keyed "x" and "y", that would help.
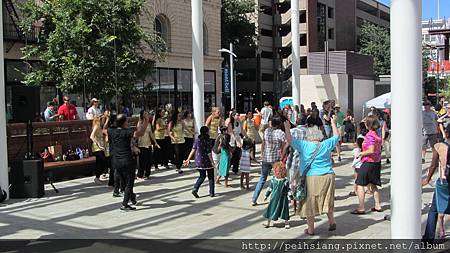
{"x": 295, "y": 31}
{"x": 233, "y": 92}
{"x": 4, "y": 180}
{"x": 406, "y": 87}
{"x": 197, "y": 64}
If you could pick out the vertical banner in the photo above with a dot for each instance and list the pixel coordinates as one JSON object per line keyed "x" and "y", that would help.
{"x": 226, "y": 80}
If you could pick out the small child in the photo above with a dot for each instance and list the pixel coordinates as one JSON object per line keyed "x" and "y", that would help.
{"x": 356, "y": 164}
{"x": 281, "y": 194}
{"x": 225, "y": 157}
{"x": 246, "y": 157}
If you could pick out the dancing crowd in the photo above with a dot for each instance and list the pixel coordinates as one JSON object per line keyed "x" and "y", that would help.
{"x": 298, "y": 146}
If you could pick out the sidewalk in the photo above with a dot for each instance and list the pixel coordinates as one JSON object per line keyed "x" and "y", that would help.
{"x": 84, "y": 210}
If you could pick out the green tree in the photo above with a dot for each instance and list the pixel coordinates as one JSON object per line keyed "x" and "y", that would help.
{"x": 96, "y": 44}
{"x": 375, "y": 41}
{"x": 237, "y": 26}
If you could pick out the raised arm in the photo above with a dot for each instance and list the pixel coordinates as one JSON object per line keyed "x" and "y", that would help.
{"x": 333, "y": 125}
{"x": 287, "y": 132}
{"x": 140, "y": 130}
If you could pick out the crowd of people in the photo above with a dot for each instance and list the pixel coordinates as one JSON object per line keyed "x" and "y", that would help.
{"x": 296, "y": 143}
{"x": 293, "y": 141}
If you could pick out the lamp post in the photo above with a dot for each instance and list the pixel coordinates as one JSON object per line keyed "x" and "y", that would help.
{"x": 232, "y": 81}
{"x": 4, "y": 181}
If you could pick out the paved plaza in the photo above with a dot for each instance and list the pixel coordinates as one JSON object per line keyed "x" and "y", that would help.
{"x": 167, "y": 210}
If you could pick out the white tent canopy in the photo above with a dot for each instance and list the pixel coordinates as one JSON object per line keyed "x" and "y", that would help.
{"x": 381, "y": 102}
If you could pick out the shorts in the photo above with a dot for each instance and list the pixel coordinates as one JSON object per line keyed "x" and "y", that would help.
{"x": 369, "y": 173}
{"x": 430, "y": 139}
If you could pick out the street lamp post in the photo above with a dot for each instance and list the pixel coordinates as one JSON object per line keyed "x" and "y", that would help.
{"x": 4, "y": 182}
{"x": 232, "y": 81}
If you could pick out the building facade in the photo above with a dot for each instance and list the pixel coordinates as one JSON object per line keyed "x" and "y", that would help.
{"x": 170, "y": 82}
{"x": 336, "y": 22}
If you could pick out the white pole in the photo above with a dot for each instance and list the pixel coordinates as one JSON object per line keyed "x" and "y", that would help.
{"x": 406, "y": 72}
{"x": 4, "y": 180}
{"x": 233, "y": 98}
{"x": 197, "y": 63}
{"x": 295, "y": 31}
{"x": 439, "y": 9}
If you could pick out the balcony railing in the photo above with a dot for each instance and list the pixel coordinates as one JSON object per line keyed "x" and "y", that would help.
{"x": 10, "y": 33}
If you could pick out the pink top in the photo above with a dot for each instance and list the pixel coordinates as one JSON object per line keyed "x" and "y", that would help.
{"x": 372, "y": 139}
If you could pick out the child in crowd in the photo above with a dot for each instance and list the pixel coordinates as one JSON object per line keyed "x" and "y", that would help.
{"x": 203, "y": 160}
{"x": 225, "y": 157}
{"x": 244, "y": 165}
{"x": 281, "y": 194}
{"x": 356, "y": 164}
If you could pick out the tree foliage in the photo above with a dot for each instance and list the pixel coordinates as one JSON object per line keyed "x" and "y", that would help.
{"x": 375, "y": 41}
{"x": 237, "y": 26}
{"x": 96, "y": 44}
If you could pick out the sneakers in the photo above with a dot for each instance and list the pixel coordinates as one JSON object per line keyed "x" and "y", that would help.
{"x": 195, "y": 194}
{"x": 127, "y": 208}
{"x": 134, "y": 202}
{"x": 254, "y": 204}
{"x": 212, "y": 195}
{"x": 117, "y": 195}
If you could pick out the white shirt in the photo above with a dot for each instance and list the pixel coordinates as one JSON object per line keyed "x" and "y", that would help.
{"x": 266, "y": 114}
{"x": 93, "y": 112}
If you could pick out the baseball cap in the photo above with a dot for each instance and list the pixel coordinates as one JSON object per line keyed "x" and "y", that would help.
{"x": 94, "y": 100}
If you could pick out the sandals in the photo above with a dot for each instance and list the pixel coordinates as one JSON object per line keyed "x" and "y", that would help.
{"x": 265, "y": 225}
{"x": 308, "y": 233}
{"x": 376, "y": 210}
{"x": 332, "y": 227}
{"x": 357, "y": 212}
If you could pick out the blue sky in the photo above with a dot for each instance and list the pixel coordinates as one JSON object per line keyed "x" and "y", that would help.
{"x": 429, "y": 9}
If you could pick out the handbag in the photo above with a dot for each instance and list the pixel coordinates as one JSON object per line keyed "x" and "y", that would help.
{"x": 300, "y": 191}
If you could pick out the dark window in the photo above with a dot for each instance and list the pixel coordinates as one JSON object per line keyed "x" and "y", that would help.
{"x": 161, "y": 27}
{"x": 266, "y": 10}
{"x": 331, "y": 34}
{"x": 266, "y": 54}
{"x": 267, "y": 77}
{"x": 385, "y": 16}
{"x": 302, "y": 17}
{"x": 321, "y": 25}
{"x": 303, "y": 62}
{"x": 330, "y": 12}
{"x": 205, "y": 40}
{"x": 303, "y": 39}
{"x": 266, "y": 32}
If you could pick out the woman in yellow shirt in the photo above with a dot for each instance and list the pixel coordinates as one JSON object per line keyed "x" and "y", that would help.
{"x": 251, "y": 129}
{"x": 213, "y": 122}
{"x": 160, "y": 126}
{"x": 189, "y": 133}
{"x": 176, "y": 134}
{"x": 145, "y": 145}
{"x": 98, "y": 148}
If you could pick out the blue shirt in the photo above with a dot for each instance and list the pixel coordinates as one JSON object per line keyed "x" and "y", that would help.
{"x": 322, "y": 162}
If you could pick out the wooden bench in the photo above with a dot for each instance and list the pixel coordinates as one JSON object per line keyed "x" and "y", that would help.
{"x": 54, "y": 169}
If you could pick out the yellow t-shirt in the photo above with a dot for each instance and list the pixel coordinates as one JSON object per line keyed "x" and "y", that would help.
{"x": 161, "y": 133}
